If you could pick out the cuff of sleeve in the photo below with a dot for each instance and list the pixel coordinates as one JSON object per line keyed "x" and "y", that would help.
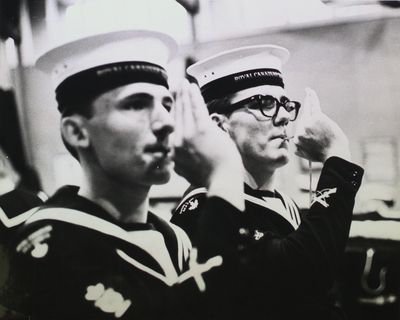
{"x": 229, "y": 188}
{"x": 348, "y": 170}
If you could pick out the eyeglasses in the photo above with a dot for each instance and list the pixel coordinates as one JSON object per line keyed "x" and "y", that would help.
{"x": 268, "y": 106}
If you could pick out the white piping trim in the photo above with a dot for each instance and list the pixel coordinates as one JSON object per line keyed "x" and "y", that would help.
{"x": 192, "y": 193}
{"x": 144, "y": 268}
{"x": 77, "y": 217}
{"x": 21, "y": 218}
{"x": 184, "y": 245}
{"x": 293, "y": 208}
{"x": 264, "y": 204}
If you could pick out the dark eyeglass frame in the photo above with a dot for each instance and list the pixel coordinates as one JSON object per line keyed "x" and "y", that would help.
{"x": 259, "y": 98}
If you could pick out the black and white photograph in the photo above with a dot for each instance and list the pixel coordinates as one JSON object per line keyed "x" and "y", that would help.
{"x": 199, "y": 159}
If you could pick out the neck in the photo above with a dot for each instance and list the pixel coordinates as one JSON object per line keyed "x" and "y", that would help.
{"x": 259, "y": 179}
{"x": 6, "y": 185}
{"x": 126, "y": 204}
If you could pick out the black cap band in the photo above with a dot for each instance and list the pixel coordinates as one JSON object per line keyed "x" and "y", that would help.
{"x": 239, "y": 81}
{"x": 91, "y": 82}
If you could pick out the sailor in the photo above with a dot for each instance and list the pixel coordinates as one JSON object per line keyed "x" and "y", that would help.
{"x": 97, "y": 251}
{"x": 17, "y": 202}
{"x": 278, "y": 264}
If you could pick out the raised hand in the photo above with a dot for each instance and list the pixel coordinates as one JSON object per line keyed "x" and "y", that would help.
{"x": 203, "y": 152}
{"x": 317, "y": 136}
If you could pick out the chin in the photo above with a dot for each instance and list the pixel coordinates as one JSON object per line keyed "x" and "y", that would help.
{"x": 281, "y": 159}
{"x": 161, "y": 176}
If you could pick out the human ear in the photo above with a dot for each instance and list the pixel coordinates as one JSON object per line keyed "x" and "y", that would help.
{"x": 221, "y": 120}
{"x": 74, "y": 131}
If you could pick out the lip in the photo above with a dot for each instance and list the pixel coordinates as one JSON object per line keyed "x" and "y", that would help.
{"x": 158, "y": 148}
{"x": 280, "y": 136}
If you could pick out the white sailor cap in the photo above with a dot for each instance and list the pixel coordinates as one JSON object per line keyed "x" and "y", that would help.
{"x": 100, "y": 62}
{"x": 238, "y": 69}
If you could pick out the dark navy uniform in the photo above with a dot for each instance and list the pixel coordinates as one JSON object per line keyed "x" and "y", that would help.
{"x": 271, "y": 269}
{"x": 72, "y": 260}
{"x": 265, "y": 210}
{"x": 15, "y": 207}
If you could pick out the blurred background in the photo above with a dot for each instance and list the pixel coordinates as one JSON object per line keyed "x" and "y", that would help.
{"x": 347, "y": 50}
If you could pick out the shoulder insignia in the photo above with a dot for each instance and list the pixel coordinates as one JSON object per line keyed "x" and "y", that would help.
{"x": 35, "y": 242}
{"x": 107, "y": 300}
{"x": 190, "y": 205}
{"x": 193, "y": 204}
{"x": 191, "y": 200}
{"x": 323, "y": 195}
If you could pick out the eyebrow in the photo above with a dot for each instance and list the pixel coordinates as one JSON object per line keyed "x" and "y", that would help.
{"x": 145, "y": 95}
{"x": 139, "y": 95}
{"x": 166, "y": 99}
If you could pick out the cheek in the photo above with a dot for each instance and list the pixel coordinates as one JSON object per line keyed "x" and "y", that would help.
{"x": 250, "y": 134}
{"x": 118, "y": 136}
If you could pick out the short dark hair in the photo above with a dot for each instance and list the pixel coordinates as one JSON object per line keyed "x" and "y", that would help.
{"x": 219, "y": 105}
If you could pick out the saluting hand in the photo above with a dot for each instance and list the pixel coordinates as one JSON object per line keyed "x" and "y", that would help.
{"x": 317, "y": 136}
{"x": 203, "y": 152}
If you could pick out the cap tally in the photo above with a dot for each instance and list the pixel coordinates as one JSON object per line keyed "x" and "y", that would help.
{"x": 239, "y": 69}
{"x": 101, "y": 62}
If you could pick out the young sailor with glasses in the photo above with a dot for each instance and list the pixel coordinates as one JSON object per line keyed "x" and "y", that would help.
{"x": 278, "y": 264}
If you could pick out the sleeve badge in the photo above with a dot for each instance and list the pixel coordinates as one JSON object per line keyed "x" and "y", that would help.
{"x": 107, "y": 300}
{"x": 34, "y": 243}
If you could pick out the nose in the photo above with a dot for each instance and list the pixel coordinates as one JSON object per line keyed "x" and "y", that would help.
{"x": 162, "y": 122}
{"x": 282, "y": 117}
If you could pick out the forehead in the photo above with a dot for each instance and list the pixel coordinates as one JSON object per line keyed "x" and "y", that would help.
{"x": 111, "y": 98}
{"x": 155, "y": 90}
{"x": 274, "y": 91}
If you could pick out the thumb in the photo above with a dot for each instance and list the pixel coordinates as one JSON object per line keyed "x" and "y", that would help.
{"x": 310, "y": 107}
{"x": 311, "y": 103}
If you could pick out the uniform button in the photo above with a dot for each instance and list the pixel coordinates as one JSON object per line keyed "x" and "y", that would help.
{"x": 258, "y": 235}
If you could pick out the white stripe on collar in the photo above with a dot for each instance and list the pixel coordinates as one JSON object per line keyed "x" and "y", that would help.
{"x": 77, "y": 217}
{"x": 12, "y": 222}
{"x": 167, "y": 280}
{"x": 153, "y": 243}
{"x": 272, "y": 204}
{"x": 184, "y": 245}
{"x": 290, "y": 205}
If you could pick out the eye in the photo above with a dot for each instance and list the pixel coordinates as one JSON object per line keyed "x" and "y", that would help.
{"x": 137, "y": 104}
{"x": 168, "y": 104}
{"x": 290, "y": 105}
{"x": 268, "y": 102}
{"x": 253, "y": 103}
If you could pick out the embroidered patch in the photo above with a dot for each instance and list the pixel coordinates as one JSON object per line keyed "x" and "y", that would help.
{"x": 189, "y": 205}
{"x": 322, "y": 195}
{"x": 34, "y": 243}
{"x": 107, "y": 300}
{"x": 193, "y": 204}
